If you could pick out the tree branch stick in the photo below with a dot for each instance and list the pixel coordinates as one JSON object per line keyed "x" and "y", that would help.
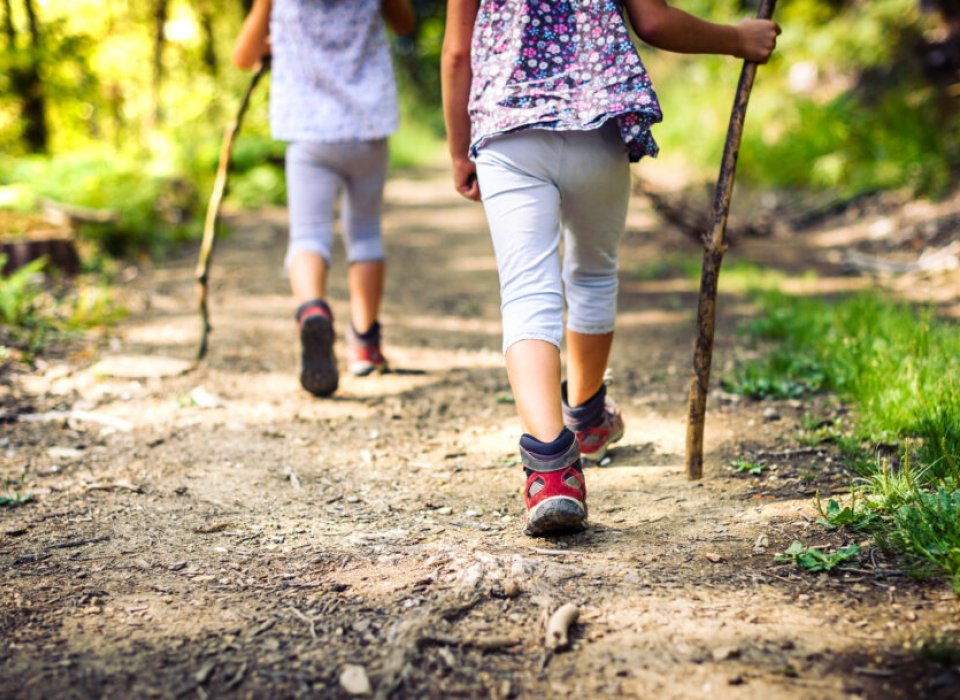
{"x": 212, "y": 220}
{"x": 714, "y": 246}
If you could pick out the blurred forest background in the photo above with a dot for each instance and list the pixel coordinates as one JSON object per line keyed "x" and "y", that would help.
{"x": 120, "y": 106}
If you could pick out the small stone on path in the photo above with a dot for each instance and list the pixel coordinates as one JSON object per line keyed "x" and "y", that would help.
{"x": 354, "y": 680}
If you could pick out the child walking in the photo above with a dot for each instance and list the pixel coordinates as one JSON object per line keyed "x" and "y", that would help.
{"x": 333, "y": 99}
{"x": 546, "y": 104}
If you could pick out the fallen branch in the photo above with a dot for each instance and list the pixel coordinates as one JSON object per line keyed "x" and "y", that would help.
{"x": 936, "y": 260}
{"x": 63, "y": 214}
{"x": 213, "y": 209}
{"x": 714, "y": 246}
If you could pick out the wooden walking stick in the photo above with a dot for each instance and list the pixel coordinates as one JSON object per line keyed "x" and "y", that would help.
{"x": 212, "y": 220}
{"x": 714, "y": 246}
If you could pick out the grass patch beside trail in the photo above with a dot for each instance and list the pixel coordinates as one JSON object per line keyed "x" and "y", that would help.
{"x": 900, "y": 368}
{"x": 33, "y": 310}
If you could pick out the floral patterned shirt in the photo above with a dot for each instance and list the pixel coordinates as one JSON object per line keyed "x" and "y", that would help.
{"x": 558, "y": 64}
{"x": 331, "y": 75}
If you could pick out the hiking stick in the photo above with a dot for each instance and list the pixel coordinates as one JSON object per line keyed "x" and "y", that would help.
{"x": 714, "y": 246}
{"x": 209, "y": 241}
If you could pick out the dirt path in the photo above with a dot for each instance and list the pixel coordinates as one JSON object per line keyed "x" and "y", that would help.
{"x": 218, "y": 532}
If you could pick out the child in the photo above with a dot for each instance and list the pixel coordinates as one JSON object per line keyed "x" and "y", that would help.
{"x": 546, "y": 103}
{"x": 333, "y": 98}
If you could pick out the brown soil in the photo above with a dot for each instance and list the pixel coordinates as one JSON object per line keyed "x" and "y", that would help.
{"x": 215, "y": 531}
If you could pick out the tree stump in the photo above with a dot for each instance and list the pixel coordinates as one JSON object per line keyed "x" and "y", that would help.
{"x": 24, "y": 238}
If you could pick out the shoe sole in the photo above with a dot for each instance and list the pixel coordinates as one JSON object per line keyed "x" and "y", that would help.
{"x": 319, "y": 373}
{"x": 556, "y": 516}
{"x": 602, "y": 452}
{"x": 363, "y": 369}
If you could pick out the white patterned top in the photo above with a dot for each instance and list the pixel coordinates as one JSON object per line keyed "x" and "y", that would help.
{"x": 560, "y": 65}
{"x": 331, "y": 76}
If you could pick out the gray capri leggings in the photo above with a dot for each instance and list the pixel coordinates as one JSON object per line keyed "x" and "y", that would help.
{"x": 540, "y": 186}
{"x": 316, "y": 172}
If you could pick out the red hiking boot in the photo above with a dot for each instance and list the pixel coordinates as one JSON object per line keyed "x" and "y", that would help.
{"x": 597, "y": 423}
{"x": 364, "y": 354}
{"x": 555, "y": 493}
{"x": 318, "y": 365}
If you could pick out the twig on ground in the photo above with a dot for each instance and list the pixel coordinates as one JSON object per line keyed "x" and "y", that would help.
{"x": 304, "y": 618}
{"x": 558, "y": 627}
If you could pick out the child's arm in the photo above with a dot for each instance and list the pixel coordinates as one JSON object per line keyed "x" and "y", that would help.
{"x": 399, "y": 16}
{"x": 456, "y": 74}
{"x": 671, "y": 29}
{"x": 253, "y": 42}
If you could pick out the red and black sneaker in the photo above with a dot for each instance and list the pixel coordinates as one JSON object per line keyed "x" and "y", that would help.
{"x": 363, "y": 352}
{"x": 318, "y": 368}
{"x": 597, "y": 424}
{"x": 555, "y": 493}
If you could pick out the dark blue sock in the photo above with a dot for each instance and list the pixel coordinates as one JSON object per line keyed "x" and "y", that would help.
{"x": 587, "y": 414}
{"x": 314, "y": 303}
{"x": 559, "y": 445}
{"x": 371, "y": 335}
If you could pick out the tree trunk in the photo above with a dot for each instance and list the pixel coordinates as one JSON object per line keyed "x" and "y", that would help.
{"x": 8, "y": 26}
{"x": 205, "y": 13}
{"x": 25, "y": 81}
{"x": 160, "y": 11}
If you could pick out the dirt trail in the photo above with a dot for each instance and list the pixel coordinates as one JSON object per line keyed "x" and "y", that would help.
{"x": 218, "y": 532}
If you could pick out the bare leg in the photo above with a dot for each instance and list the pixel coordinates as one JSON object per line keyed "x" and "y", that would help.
{"x": 534, "y": 370}
{"x": 308, "y": 277}
{"x": 366, "y": 290}
{"x": 586, "y": 362}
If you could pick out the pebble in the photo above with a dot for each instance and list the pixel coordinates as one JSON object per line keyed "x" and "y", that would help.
{"x": 354, "y": 680}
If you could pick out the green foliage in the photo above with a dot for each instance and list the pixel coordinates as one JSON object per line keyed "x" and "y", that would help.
{"x": 19, "y": 291}
{"x": 781, "y": 376}
{"x": 30, "y": 313}
{"x": 745, "y": 466}
{"x": 834, "y": 516}
{"x": 900, "y": 368}
{"x": 814, "y": 560}
{"x": 14, "y": 499}
{"x": 842, "y": 104}
{"x": 153, "y": 208}
{"x": 92, "y": 307}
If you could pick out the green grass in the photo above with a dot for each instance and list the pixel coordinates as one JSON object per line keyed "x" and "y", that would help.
{"x": 14, "y": 499}
{"x": 33, "y": 310}
{"x": 900, "y": 370}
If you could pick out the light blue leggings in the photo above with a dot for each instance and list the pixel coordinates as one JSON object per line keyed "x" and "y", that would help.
{"x": 535, "y": 185}
{"x": 316, "y": 172}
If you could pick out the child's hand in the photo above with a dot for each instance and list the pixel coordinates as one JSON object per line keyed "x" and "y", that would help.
{"x": 465, "y": 179}
{"x": 758, "y": 38}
